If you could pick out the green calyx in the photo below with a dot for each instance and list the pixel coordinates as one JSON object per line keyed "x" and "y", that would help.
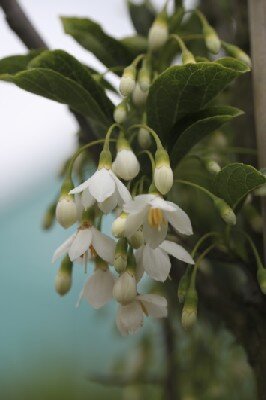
{"x": 161, "y": 158}
{"x": 67, "y": 185}
{"x": 122, "y": 143}
{"x": 105, "y": 160}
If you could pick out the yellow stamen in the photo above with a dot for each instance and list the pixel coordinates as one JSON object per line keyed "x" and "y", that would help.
{"x": 156, "y": 218}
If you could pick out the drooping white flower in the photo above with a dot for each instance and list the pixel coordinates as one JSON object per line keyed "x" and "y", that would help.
{"x": 153, "y": 213}
{"x": 66, "y": 211}
{"x": 130, "y": 316}
{"x": 99, "y": 288}
{"x": 125, "y": 288}
{"x": 89, "y": 240}
{"x": 156, "y": 262}
{"x": 126, "y": 164}
{"x": 105, "y": 188}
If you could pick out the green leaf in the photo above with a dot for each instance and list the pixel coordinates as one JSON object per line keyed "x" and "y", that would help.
{"x": 200, "y": 125}
{"x": 68, "y": 66}
{"x": 235, "y": 181}
{"x": 185, "y": 89}
{"x": 142, "y": 16}
{"x": 60, "y": 77}
{"x": 90, "y": 35}
{"x": 17, "y": 63}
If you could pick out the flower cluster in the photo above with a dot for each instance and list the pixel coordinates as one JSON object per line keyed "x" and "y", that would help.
{"x": 143, "y": 216}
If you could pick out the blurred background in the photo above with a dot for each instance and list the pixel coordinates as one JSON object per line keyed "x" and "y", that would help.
{"x": 48, "y": 348}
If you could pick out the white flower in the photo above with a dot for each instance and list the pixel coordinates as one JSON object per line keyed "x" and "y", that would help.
{"x": 66, "y": 211}
{"x": 158, "y": 34}
{"x": 99, "y": 288}
{"x": 163, "y": 178}
{"x": 130, "y": 316}
{"x": 156, "y": 262}
{"x": 105, "y": 188}
{"x": 125, "y": 288}
{"x": 87, "y": 239}
{"x": 126, "y": 164}
{"x": 154, "y": 213}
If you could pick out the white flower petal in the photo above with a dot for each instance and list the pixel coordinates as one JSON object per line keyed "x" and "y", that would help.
{"x": 156, "y": 263}
{"x": 154, "y": 236}
{"x": 80, "y": 244}
{"x": 121, "y": 188}
{"x": 134, "y": 221}
{"x": 177, "y": 251}
{"x": 155, "y": 305}
{"x": 138, "y": 203}
{"x": 87, "y": 199}
{"x": 158, "y": 202}
{"x": 101, "y": 185}
{"x": 109, "y": 204}
{"x": 129, "y": 318}
{"x": 98, "y": 288}
{"x": 139, "y": 259}
{"x": 179, "y": 220}
{"x": 104, "y": 245}
{"x": 80, "y": 188}
{"x": 63, "y": 248}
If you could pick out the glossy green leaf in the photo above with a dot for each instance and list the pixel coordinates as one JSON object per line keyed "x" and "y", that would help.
{"x": 235, "y": 181}
{"x": 17, "y": 63}
{"x": 90, "y": 35}
{"x": 60, "y": 77}
{"x": 199, "y": 126}
{"x": 142, "y": 16}
{"x": 185, "y": 89}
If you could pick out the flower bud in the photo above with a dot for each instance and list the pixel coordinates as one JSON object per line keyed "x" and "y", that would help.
{"x": 158, "y": 33}
{"x": 189, "y": 311}
{"x": 138, "y": 96}
{"x": 213, "y": 42}
{"x": 236, "y": 52}
{"x": 125, "y": 288}
{"x": 136, "y": 240}
{"x": 63, "y": 279}
{"x": 128, "y": 82}
{"x": 144, "y": 138}
{"x": 120, "y": 261}
{"x": 66, "y": 211}
{"x": 120, "y": 113}
{"x": 144, "y": 78}
{"x": 261, "y": 276}
{"x": 212, "y": 166}
{"x": 226, "y": 212}
{"x": 118, "y": 226}
{"x": 163, "y": 174}
{"x": 49, "y": 217}
{"x": 183, "y": 287}
{"x": 126, "y": 164}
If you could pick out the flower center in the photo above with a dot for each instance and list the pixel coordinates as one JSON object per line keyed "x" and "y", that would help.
{"x": 93, "y": 251}
{"x": 156, "y": 218}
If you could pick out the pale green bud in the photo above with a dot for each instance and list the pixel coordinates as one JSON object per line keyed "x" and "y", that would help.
{"x": 213, "y": 42}
{"x": 144, "y": 138}
{"x": 226, "y": 212}
{"x": 144, "y": 78}
{"x": 183, "y": 287}
{"x": 189, "y": 311}
{"x": 49, "y": 217}
{"x": 118, "y": 226}
{"x": 120, "y": 113}
{"x": 66, "y": 211}
{"x": 163, "y": 173}
{"x": 261, "y": 276}
{"x": 158, "y": 33}
{"x": 236, "y": 52}
{"x": 128, "y": 80}
{"x": 63, "y": 279}
{"x": 136, "y": 240}
{"x": 120, "y": 261}
{"x": 125, "y": 288}
{"x": 138, "y": 96}
{"x": 212, "y": 166}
